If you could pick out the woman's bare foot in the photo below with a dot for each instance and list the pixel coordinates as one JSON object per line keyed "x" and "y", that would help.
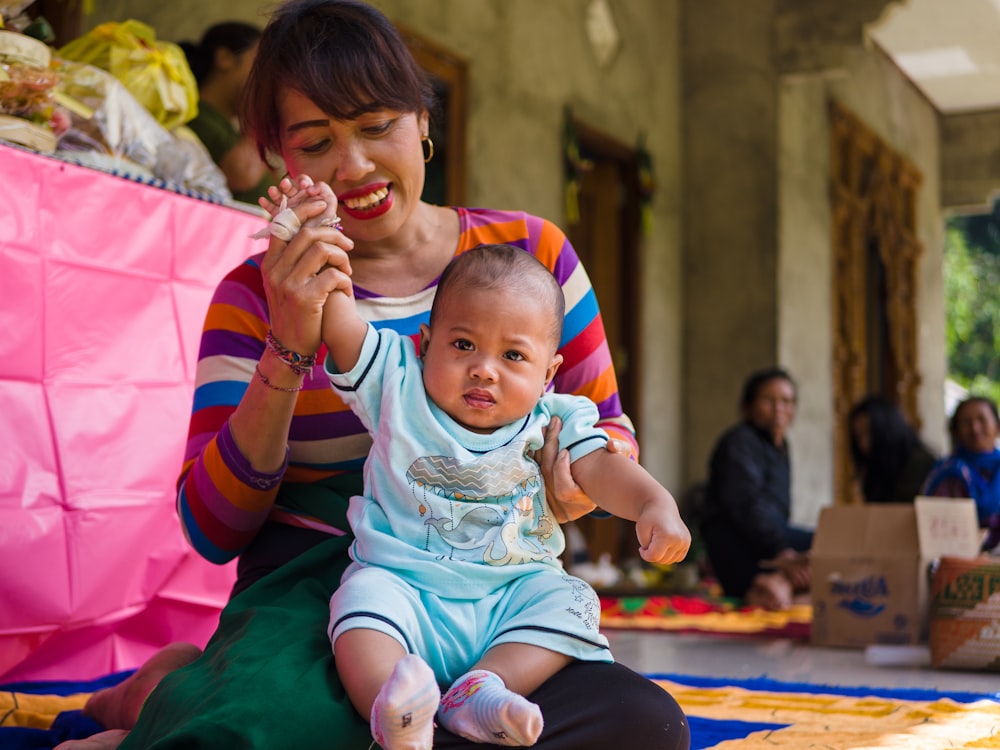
{"x": 104, "y": 741}
{"x": 771, "y": 591}
{"x": 118, "y": 707}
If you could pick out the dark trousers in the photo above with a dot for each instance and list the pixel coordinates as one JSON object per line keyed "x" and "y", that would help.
{"x": 735, "y": 560}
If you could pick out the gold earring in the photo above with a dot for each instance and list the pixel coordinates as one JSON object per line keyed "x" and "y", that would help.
{"x": 430, "y": 148}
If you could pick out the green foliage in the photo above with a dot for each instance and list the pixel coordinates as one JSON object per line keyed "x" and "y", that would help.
{"x": 972, "y": 304}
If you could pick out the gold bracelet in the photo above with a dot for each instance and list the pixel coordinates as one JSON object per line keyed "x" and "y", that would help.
{"x": 272, "y": 386}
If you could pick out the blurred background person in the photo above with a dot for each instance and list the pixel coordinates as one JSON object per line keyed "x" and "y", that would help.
{"x": 755, "y": 553}
{"x": 973, "y": 468}
{"x": 890, "y": 460}
{"x": 221, "y": 62}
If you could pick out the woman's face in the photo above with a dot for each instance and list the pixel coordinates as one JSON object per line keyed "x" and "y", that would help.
{"x": 976, "y": 428}
{"x": 374, "y": 163}
{"x": 773, "y": 408}
{"x": 862, "y": 433}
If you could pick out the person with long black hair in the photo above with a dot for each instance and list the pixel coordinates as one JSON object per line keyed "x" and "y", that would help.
{"x": 890, "y": 459}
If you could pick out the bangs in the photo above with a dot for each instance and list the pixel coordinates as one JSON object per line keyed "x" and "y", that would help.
{"x": 356, "y": 79}
{"x": 341, "y": 57}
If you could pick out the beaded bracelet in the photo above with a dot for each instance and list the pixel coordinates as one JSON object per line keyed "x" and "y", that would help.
{"x": 272, "y": 386}
{"x": 300, "y": 363}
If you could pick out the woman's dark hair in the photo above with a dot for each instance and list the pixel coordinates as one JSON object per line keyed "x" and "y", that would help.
{"x": 235, "y": 36}
{"x": 344, "y": 56}
{"x": 892, "y": 440}
{"x": 952, "y": 422}
{"x": 755, "y": 381}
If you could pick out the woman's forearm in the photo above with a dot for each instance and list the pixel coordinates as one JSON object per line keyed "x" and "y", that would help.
{"x": 262, "y": 419}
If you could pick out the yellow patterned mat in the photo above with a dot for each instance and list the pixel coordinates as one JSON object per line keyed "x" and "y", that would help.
{"x": 838, "y": 722}
{"x": 816, "y": 721}
{"x": 693, "y": 614}
{"x": 35, "y": 711}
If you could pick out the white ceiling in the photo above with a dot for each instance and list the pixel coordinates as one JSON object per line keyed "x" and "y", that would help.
{"x": 950, "y": 49}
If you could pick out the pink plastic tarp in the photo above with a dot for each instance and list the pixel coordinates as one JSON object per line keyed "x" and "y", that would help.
{"x": 104, "y": 284}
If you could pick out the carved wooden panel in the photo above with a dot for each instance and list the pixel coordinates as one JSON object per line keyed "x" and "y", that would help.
{"x": 875, "y": 250}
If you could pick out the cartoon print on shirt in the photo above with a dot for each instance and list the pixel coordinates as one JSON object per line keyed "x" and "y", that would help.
{"x": 511, "y": 528}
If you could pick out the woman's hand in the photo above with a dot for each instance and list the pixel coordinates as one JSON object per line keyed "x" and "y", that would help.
{"x": 299, "y": 274}
{"x": 565, "y": 497}
{"x": 794, "y": 566}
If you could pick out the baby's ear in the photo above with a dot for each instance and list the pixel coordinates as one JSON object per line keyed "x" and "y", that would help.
{"x": 425, "y": 339}
{"x": 557, "y": 359}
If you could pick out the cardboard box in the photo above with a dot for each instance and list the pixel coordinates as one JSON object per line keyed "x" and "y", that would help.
{"x": 869, "y": 568}
{"x": 965, "y": 613}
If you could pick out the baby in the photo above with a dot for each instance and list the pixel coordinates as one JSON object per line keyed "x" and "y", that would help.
{"x": 456, "y": 580}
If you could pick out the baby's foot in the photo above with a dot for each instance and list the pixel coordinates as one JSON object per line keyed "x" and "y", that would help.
{"x": 479, "y": 707}
{"x": 291, "y": 195}
{"x": 403, "y": 712}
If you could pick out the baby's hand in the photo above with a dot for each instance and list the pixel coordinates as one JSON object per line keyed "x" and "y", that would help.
{"x": 288, "y": 196}
{"x": 663, "y": 536}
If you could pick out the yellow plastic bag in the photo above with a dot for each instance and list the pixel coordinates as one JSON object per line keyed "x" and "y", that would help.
{"x": 156, "y": 73}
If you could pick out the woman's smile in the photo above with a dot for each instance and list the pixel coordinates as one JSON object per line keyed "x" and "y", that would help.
{"x": 367, "y": 202}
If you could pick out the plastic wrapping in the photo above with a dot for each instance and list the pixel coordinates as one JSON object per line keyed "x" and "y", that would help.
{"x": 155, "y": 72}
{"x": 111, "y": 130}
{"x": 29, "y": 114}
{"x": 86, "y": 114}
{"x": 12, "y": 8}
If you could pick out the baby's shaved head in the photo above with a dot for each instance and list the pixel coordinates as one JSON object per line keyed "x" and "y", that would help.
{"x": 501, "y": 267}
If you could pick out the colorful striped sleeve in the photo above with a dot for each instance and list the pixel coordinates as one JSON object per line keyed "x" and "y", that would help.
{"x": 221, "y": 501}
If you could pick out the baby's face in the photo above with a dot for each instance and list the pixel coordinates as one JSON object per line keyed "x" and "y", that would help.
{"x": 489, "y": 357}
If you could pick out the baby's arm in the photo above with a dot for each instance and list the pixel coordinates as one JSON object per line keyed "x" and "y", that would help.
{"x": 622, "y": 487}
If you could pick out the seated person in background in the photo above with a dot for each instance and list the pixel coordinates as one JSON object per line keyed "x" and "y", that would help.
{"x": 456, "y": 581}
{"x": 221, "y": 62}
{"x": 973, "y": 468}
{"x": 754, "y": 551}
{"x": 889, "y": 457}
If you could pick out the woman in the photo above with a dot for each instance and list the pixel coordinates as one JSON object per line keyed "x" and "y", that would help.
{"x": 890, "y": 459}
{"x": 754, "y": 551}
{"x": 220, "y": 63}
{"x": 973, "y": 468}
{"x": 273, "y": 455}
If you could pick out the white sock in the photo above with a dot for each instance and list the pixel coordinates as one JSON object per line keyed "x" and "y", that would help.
{"x": 403, "y": 711}
{"x": 479, "y": 707}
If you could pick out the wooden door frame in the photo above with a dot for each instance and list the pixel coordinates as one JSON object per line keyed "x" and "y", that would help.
{"x": 874, "y": 205}
{"x": 614, "y": 535}
{"x": 595, "y": 144}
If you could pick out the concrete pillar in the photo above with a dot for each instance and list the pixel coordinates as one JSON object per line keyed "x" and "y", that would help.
{"x": 734, "y": 55}
{"x": 729, "y": 110}
{"x": 970, "y": 161}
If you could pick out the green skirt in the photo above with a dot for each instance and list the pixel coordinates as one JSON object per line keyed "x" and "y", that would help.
{"x": 267, "y": 678}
